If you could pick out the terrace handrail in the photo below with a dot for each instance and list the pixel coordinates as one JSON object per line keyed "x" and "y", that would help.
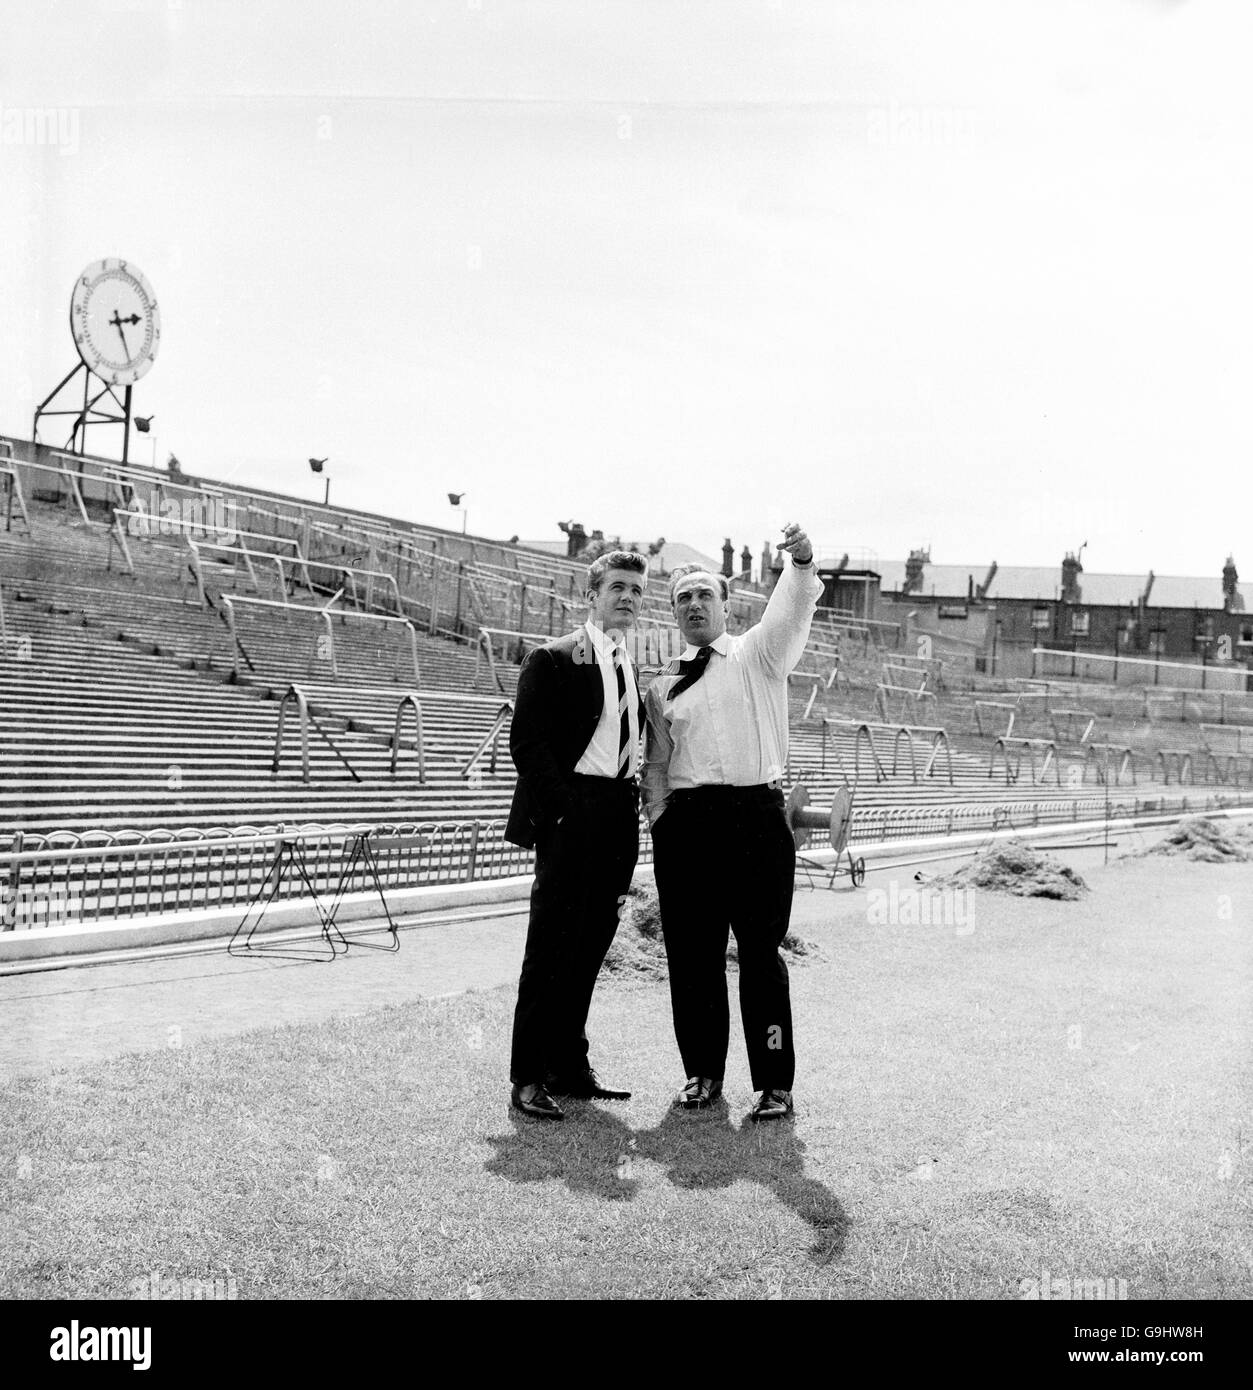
{"x": 981, "y": 705}
{"x": 883, "y": 689}
{"x": 294, "y": 693}
{"x": 1212, "y": 677}
{"x": 819, "y": 681}
{"x": 868, "y": 623}
{"x": 892, "y": 673}
{"x": 117, "y": 537}
{"x": 72, "y": 475}
{"x": 1070, "y": 716}
{"x": 490, "y": 739}
{"x": 1028, "y": 746}
{"x": 938, "y": 740}
{"x": 229, "y": 603}
{"x": 197, "y": 569}
{"x": 913, "y": 734}
{"x": 1102, "y": 754}
{"x": 409, "y": 700}
{"x": 186, "y": 526}
{"x": 485, "y": 644}
{"x": 1210, "y": 732}
{"x": 352, "y": 574}
{"x": 326, "y": 614}
{"x": 9, "y": 470}
{"x": 343, "y": 614}
{"x": 1178, "y": 758}
{"x": 861, "y": 731}
{"x": 383, "y": 544}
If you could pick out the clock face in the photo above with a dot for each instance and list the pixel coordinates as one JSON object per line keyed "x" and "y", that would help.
{"x": 114, "y": 319}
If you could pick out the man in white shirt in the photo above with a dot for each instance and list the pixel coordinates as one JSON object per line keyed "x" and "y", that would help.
{"x": 575, "y": 742}
{"x": 724, "y": 860}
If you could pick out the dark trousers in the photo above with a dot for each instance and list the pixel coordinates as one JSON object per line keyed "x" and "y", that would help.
{"x": 582, "y": 868}
{"x": 724, "y": 859}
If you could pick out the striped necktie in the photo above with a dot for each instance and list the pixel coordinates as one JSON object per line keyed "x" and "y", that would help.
{"x": 624, "y": 716}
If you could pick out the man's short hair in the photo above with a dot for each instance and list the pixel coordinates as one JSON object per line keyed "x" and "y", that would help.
{"x": 684, "y": 570}
{"x": 615, "y": 560}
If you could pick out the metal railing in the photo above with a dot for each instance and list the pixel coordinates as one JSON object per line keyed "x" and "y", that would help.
{"x": 1115, "y": 670}
{"x": 1070, "y": 719}
{"x": 140, "y": 525}
{"x": 981, "y": 706}
{"x": 489, "y": 741}
{"x": 100, "y": 877}
{"x": 388, "y": 581}
{"x": 1104, "y": 756}
{"x": 107, "y": 876}
{"x": 326, "y": 615}
{"x": 71, "y": 475}
{"x": 293, "y": 693}
{"x": 914, "y": 700}
{"x": 486, "y": 647}
{"x": 409, "y": 700}
{"x": 932, "y": 740}
{"x": 1029, "y": 748}
{"x": 12, "y": 488}
{"x": 1241, "y": 734}
{"x": 196, "y": 568}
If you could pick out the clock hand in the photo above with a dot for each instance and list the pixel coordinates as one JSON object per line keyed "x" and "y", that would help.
{"x": 117, "y": 323}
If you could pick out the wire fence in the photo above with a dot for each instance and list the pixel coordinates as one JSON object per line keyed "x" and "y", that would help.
{"x": 102, "y": 876}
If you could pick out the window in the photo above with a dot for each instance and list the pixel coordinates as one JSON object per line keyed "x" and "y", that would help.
{"x": 1079, "y": 622}
{"x": 1157, "y": 642}
{"x": 1041, "y": 620}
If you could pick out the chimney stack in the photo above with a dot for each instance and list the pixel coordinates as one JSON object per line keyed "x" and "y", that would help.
{"x": 1071, "y": 570}
{"x": 913, "y": 570}
{"x": 1232, "y": 602}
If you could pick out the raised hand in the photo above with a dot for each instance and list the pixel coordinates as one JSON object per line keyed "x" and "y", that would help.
{"x": 797, "y": 544}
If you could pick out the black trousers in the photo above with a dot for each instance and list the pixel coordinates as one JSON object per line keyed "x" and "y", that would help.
{"x": 724, "y": 860}
{"x": 582, "y": 868}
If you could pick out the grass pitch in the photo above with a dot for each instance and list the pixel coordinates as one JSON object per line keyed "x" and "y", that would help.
{"x": 1050, "y": 1090}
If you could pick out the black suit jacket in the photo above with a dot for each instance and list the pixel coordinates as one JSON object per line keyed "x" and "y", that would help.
{"x": 557, "y": 708}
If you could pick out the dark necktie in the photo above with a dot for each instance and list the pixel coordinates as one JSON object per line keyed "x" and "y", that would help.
{"x": 624, "y": 717}
{"x": 690, "y": 672}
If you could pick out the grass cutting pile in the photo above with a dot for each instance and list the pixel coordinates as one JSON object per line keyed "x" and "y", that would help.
{"x": 1058, "y": 1090}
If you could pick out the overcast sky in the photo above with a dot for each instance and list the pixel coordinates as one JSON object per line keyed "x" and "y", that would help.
{"x": 976, "y": 275}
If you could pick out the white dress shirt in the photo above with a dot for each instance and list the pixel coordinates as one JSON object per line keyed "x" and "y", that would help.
{"x": 601, "y": 756}
{"x": 729, "y": 728}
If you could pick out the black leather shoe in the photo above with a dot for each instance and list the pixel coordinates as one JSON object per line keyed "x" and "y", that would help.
{"x": 699, "y": 1093}
{"x": 772, "y": 1105}
{"x": 535, "y": 1100}
{"x": 583, "y": 1085}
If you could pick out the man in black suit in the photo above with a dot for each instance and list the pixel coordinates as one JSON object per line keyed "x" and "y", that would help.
{"x": 575, "y": 742}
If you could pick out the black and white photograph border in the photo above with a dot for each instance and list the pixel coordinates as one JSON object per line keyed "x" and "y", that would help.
{"x": 840, "y": 367}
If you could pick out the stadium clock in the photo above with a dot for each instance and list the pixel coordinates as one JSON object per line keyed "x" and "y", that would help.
{"x": 115, "y": 322}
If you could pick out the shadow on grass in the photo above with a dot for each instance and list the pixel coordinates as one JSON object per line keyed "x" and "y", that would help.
{"x": 598, "y": 1154}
